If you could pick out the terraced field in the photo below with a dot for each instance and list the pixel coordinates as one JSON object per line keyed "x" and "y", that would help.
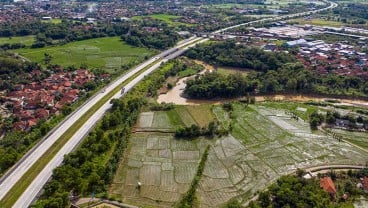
{"x": 265, "y": 143}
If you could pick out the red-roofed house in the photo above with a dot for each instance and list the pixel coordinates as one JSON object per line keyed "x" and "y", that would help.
{"x": 328, "y": 185}
{"x": 20, "y": 125}
{"x": 364, "y": 182}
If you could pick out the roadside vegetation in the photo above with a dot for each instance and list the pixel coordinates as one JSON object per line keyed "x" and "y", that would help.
{"x": 88, "y": 169}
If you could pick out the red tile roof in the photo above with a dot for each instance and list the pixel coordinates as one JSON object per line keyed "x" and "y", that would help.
{"x": 328, "y": 185}
{"x": 365, "y": 183}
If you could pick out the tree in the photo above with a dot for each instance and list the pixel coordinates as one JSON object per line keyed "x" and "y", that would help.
{"x": 47, "y": 58}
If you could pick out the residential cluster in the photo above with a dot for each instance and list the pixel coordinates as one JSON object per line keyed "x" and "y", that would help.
{"x": 327, "y": 184}
{"x": 339, "y": 58}
{"x": 38, "y": 100}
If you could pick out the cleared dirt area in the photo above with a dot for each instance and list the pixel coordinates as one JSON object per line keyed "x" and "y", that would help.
{"x": 265, "y": 143}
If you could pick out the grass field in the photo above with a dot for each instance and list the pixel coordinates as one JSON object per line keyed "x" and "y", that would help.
{"x": 357, "y": 138}
{"x": 26, "y": 40}
{"x": 169, "y": 19}
{"x": 264, "y": 144}
{"x": 109, "y": 53}
{"x": 318, "y": 22}
{"x": 300, "y": 109}
{"x": 53, "y": 21}
{"x": 230, "y": 70}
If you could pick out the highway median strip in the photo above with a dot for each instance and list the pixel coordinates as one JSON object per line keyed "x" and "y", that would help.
{"x": 16, "y": 191}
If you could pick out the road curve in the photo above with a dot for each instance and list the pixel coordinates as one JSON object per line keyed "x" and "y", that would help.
{"x": 281, "y": 17}
{"x": 15, "y": 173}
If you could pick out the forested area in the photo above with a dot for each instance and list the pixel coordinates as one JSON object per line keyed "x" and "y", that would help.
{"x": 159, "y": 40}
{"x": 90, "y": 168}
{"x": 230, "y": 54}
{"x": 353, "y": 13}
{"x": 68, "y": 31}
{"x": 271, "y": 73}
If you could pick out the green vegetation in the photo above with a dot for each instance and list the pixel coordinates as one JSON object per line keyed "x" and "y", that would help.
{"x": 357, "y": 138}
{"x": 194, "y": 131}
{"x": 53, "y": 21}
{"x": 229, "y": 54}
{"x": 229, "y": 70}
{"x": 107, "y": 53}
{"x": 159, "y": 39}
{"x": 274, "y": 73}
{"x": 190, "y": 198}
{"x": 202, "y": 114}
{"x": 167, "y": 18}
{"x": 212, "y": 85}
{"x": 318, "y": 22}
{"x": 18, "y": 189}
{"x": 295, "y": 191}
{"x": 302, "y": 110}
{"x": 110, "y": 135}
{"x": 26, "y": 40}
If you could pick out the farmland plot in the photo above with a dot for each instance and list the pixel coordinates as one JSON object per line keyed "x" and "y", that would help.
{"x": 265, "y": 143}
{"x": 163, "y": 165}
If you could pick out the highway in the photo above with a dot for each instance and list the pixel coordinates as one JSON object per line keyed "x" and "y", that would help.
{"x": 280, "y": 18}
{"x": 15, "y": 173}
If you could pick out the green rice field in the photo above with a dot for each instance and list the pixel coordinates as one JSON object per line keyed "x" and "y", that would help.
{"x": 108, "y": 53}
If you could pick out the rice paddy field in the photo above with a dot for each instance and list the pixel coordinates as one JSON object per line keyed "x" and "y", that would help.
{"x": 108, "y": 53}
{"x": 264, "y": 144}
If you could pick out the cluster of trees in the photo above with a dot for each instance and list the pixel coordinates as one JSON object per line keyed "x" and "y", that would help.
{"x": 162, "y": 107}
{"x": 160, "y": 39}
{"x": 294, "y": 191}
{"x": 330, "y": 118}
{"x": 8, "y": 46}
{"x": 195, "y": 131}
{"x": 227, "y": 53}
{"x": 178, "y": 66}
{"x": 85, "y": 170}
{"x": 272, "y": 73}
{"x": 315, "y": 119}
{"x": 13, "y": 71}
{"x": 14, "y": 144}
{"x": 355, "y": 12}
{"x": 213, "y": 85}
{"x": 68, "y": 31}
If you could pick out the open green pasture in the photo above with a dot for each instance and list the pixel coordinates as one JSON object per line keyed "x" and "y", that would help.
{"x": 107, "y": 53}
{"x": 26, "y": 40}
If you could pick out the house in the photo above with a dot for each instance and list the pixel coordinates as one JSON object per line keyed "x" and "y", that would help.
{"x": 296, "y": 42}
{"x": 364, "y": 184}
{"x": 342, "y": 123}
{"x": 328, "y": 185}
{"x": 20, "y": 125}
